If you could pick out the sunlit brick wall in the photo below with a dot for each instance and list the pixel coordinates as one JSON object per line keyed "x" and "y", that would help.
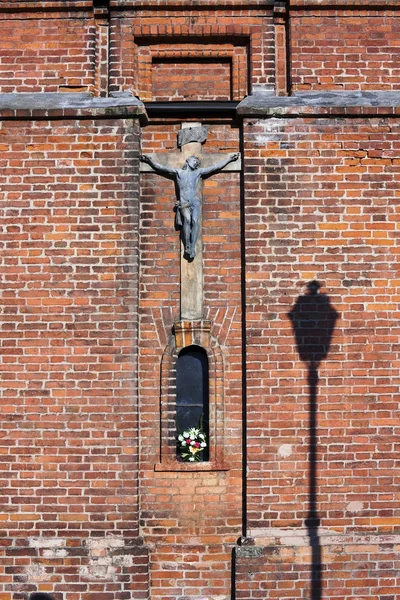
{"x": 46, "y": 51}
{"x": 345, "y": 49}
{"x": 322, "y": 205}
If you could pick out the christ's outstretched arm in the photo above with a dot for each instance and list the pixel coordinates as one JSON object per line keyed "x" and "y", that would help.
{"x": 157, "y": 167}
{"x": 207, "y": 171}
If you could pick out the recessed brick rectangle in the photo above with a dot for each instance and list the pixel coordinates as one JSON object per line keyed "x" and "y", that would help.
{"x": 191, "y": 79}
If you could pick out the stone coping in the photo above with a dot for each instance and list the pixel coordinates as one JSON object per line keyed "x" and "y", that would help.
{"x": 299, "y": 537}
{"x": 313, "y": 104}
{"x": 88, "y": 4}
{"x": 210, "y": 5}
{"x": 66, "y": 105}
{"x": 321, "y": 104}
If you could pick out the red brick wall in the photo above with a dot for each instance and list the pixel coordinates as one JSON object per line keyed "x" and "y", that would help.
{"x": 329, "y": 213}
{"x": 351, "y": 50}
{"x": 208, "y": 30}
{"x": 322, "y": 204}
{"x": 191, "y": 520}
{"x": 90, "y": 294}
{"x": 69, "y": 213}
{"x": 47, "y": 54}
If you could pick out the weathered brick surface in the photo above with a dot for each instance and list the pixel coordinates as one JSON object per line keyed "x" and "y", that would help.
{"x": 192, "y": 71}
{"x": 329, "y": 214}
{"x": 207, "y": 30}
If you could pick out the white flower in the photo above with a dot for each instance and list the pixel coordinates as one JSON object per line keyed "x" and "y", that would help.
{"x": 202, "y": 436}
{"x": 203, "y": 445}
{"x": 185, "y": 434}
{"x": 192, "y": 443}
{"x": 191, "y": 458}
{"x": 183, "y": 444}
{"x": 180, "y": 438}
{"x": 192, "y": 436}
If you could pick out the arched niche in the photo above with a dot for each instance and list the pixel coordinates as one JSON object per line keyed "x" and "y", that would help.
{"x": 192, "y": 343}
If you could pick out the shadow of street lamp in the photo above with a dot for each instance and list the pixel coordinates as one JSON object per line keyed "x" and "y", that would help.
{"x": 313, "y": 321}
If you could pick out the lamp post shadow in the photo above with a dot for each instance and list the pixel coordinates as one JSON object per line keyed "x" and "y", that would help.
{"x": 313, "y": 321}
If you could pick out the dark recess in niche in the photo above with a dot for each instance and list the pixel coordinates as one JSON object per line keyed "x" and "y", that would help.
{"x": 192, "y": 391}
{"x": 101, "y": 3}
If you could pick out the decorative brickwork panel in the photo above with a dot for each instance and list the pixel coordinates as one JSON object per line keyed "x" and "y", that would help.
{"x": 197, "y": 35}
{"x": 344, "y": 52}
{"x": 69, "y": 213}
{"x": 46, "y": 55}
{"x": 196, "y": 71}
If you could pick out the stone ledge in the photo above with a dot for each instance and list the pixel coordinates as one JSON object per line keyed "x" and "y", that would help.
{"x": 167, "y": 4}
{"x": 249, "y": 552}
{"x": 271, "y": 537}
{"x": 65, "y": 105}
{"x": 321, "y": 104}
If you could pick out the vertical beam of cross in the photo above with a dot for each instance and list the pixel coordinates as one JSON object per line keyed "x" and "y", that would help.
{"x": 192, "y": 271}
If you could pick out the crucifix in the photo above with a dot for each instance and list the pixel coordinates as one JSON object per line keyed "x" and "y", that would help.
{"x": 188, "y": 179}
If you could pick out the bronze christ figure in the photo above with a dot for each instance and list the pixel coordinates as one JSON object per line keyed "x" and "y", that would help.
{"x": 188, "y": 203}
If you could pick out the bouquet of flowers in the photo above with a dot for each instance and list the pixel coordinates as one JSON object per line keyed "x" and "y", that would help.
{"x": 190, "y": 443}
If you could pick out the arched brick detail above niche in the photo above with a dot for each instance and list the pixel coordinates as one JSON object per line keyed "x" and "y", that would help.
{"x": 188, "y": 333}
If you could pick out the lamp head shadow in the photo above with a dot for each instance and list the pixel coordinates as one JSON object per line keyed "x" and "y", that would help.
{"x": 313, "y": 321}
